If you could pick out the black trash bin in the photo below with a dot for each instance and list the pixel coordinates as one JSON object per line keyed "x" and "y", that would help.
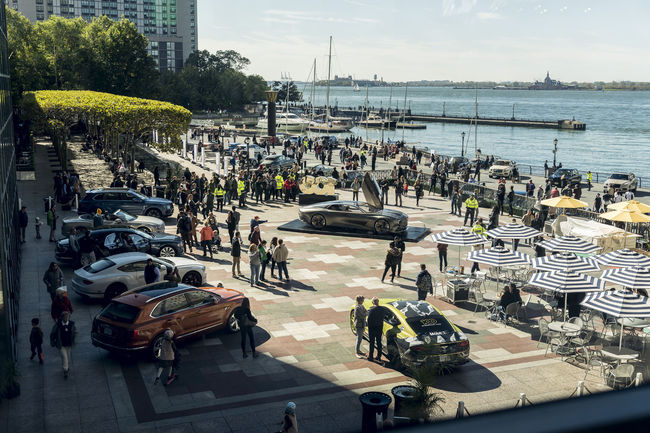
{"x": 405, "y": 397}
{"x": 373, "y": 403}
{"x": 160, "y": 191}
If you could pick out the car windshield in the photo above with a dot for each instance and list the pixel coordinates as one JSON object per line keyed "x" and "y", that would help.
{"x": 619, "y": 176}
{"x": 502, "y": 163}
{"x": 364, "y": 207}
{"x": 272, "y": 157}
{"x": 99, "y": 266}
{"x": 119, "y": 312}
{"x": 124, "y": 216}
{"x": 143, "y": 234}
{"x": 431, "y": 324}
{"x": 138, "y": 195}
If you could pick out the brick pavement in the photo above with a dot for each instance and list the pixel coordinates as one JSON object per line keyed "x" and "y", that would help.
{"x": 307, "y": 349}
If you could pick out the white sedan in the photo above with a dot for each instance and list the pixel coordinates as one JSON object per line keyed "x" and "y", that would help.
{"x": 113, "y": 275}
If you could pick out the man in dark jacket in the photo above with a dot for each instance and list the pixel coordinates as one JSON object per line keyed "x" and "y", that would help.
{"x": 23, "y": 220}
{"x": 184, "y": 228}
{"x": 399, "y": 244}
{"x": 376, "y": 316}
{"x": 151, "y": 272}
{"x": 235, "y": 252}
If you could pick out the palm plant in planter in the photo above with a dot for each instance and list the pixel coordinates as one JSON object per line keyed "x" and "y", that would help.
{"x": 417, "y": 400}
{"x": 9, "y": 386}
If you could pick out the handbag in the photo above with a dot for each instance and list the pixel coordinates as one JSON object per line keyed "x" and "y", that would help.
{"x": 248, "y": 322}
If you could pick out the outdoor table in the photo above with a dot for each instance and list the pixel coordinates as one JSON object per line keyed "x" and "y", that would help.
{"x": 620, "y": 355}
{"x": 566, "y": 330}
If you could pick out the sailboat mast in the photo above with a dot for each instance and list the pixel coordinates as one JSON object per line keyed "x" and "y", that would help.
{"x": 366, "y": 111}
{"x": 390, "y": 102}
{"x": 327, "y": 99}
{"x": 404, "y": 111}
{"x": 313, "y": 91}
{"x": 475, "y": 119}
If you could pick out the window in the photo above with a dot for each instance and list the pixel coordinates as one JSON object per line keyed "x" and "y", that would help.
{"x": 170, "y": 305}
{"x": 133, "y": 267}
{"x": 199, "y": 297}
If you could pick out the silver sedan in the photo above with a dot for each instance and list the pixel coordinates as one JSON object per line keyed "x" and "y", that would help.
{"x": 113, "y": 275}
{"x": 83, "y": 222}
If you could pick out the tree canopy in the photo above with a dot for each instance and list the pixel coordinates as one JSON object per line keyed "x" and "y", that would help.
{"x": 294, "y": 94}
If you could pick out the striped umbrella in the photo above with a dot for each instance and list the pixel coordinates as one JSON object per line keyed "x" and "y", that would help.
{"x": 620, "y": 304}
{"x": 572, "y": 244}
{"x": 566, "y": 282}
{"x": 624, "y": 258}
{"x": 632, "y": 278}
{"x": 460, "y": 237}
{"x": 565, "y": 262}
{"x": 513, "y": 231}
{"x": 499, "y": 256}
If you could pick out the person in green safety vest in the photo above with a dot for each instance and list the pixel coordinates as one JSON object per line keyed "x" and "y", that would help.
{"x": 589, "y": 179}
{"x": 219, "y": 193}
{"x": 279, "y": 184}
{"x": 471, "y": 208}
{"x": 478, "y": 229}
{"x": 241, "y": 192}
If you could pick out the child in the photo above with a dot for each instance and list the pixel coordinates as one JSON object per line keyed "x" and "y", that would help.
{"x": 37, "y": 225}
{"x": 36, "y": 340}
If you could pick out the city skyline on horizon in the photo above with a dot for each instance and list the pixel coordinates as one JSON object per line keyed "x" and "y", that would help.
{"x": 499, "y": 40}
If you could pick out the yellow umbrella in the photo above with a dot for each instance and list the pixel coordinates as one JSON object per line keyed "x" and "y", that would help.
{"x": 632, "y": 205}
{"x": 626, "y": 216}
{"x": 564, "y": 202}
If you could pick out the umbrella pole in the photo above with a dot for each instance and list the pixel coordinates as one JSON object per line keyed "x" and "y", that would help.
{"x": 564, "y": 313}
{"x": 620, "y": 340}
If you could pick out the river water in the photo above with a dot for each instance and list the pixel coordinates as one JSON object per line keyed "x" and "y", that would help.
{"x": 617, "y": 136}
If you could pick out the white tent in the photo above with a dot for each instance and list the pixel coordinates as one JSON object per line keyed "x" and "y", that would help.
{"x": 608, "y": 237}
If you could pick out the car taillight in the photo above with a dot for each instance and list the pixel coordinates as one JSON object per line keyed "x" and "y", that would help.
{"x": 134, "y": 334}
{"x": 464, "y": 343}
{"x": 86, "y": 282}
{"x": 417, "y": 348}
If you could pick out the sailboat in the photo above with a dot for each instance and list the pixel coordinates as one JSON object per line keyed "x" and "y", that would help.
{"x": 355, "y": 87}
{"x": 403, "y": 123}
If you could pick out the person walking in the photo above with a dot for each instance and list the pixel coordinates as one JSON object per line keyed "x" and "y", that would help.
{"x": 207, "y": 236}
{"x": 151, "y": 272}
{"x": 393, "y": 255}
{"x": 590, "y": 177}
{"x": 424, "y": 283}
{"x": 401, "y": 246}
{"x": 36, "y": 340}
{"x": 264, "y": 259}
{"x": 356, "y": 184}
{"x": 289, "y": 422}
{"x": 246, "y": 322}
{"x": 23, "y": 221}
{"x": 60, "y": 303}
{"x": 184, "y": 228}
{"x": 51, "y": 221}
{"x": 511, "y": 200}
{"x": 471, "y": 207}
{"x": 232, "y": 221}
{"x": 272, "y": 247}
{"x": 235, "y": 253}
{"x": 219, "y": 193}
{"x": 255, "y": 262}
{"x": 442, "y": 255}
{"x": 53, "y": 279}
{"x": 280, "y": 255}
{"x": 399, "y": 190}
{"x": 62, "y": 337}
{"x": 376, "y": 316}
{"x": 166, "y": 355}
{"x": 360, "y": 317}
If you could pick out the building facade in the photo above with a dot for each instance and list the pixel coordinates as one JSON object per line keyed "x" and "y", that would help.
{"x": 9, "y": 241}
{"x": 170, "y": 25}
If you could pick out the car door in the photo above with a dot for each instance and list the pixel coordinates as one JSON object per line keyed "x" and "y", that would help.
{"x": 173, "y": 313}
{"x": 132, "y": 203}
{"x": 352, "y": 216}
{"x": 110, "y": 202}
{"x": 205, "y": 310}
{"x": 141, "y": 244}
{"x": 133, "y": 274}
{"x": 112, "y": 243}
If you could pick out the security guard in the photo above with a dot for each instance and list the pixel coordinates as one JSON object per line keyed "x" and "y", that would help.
{"x": 589, "y": 179}
{"x": 478, "y": 229}
{"x": 241, "y": 192}
{"x": 219, "y": 193}
{"x": 471, "y": 207}
{"x": 279, "y": 184}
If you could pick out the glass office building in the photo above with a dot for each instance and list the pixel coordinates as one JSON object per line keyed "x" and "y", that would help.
{"x": 170, "y": 25}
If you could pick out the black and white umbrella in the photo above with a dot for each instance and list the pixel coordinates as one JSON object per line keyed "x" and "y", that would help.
{"x": 565, "y": 262}
{"x": 570, "y": 244}
{"x": 632, "y": 278}
{"x": 624, "y": 258}
{"x": 460, "y": 237}
{"x": 499, "y": 257}
{"x": 513, "y": 231}
{"x": 566, "y": 282}
{"x": 620, "y": 304}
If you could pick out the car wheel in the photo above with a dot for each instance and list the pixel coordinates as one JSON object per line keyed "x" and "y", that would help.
{"x": 167, "y": 252}
{"x": 154, "y": 213}
{"x": 145, "y": 229}
{"x": 382, "y": 226}
{"x": 233, "y": 324}
{"x": 192, "y": 278}
{"x": 155, "y": 345}
{"x": 114, "y": 290}
{"x": 318, "y": 221}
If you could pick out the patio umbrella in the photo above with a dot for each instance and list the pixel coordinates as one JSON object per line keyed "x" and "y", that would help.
{"x": 460, "y": 237}
{"x": 624, "y": 258}
{"x": 571, "y": 244}
{"x": 626, "y": 216}
{"x": 632, "y": 278}
{"x": 566, "y": 282}
{"x": 633, "y": 205}
{"x": 564, "y": 202}
{"x": 498, "y": 257}
{"x": 565, "y": 262}
{"x": 620, "y": 304}
{"x": 513, "y": 231}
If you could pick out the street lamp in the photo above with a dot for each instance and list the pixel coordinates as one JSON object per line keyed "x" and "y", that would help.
{"x": 462, "y": 144}
{"x": 554, "y": 152}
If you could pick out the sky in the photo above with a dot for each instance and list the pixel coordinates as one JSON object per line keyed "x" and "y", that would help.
{"x": 491, "y": 40}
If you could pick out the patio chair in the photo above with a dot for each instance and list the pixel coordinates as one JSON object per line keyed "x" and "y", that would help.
{"x": 576, "y": 321}
{"x": 512, "y": 310}
{"x": 544, "y": 332}
{"x": 437, "y": 284}
{"x": 621, "y": 376}
{"x": 595, "y": 358}
{"x": 581, "y": 341}
{"x": 482, "y": 302}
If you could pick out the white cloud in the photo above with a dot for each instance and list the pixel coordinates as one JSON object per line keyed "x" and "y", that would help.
{"x": 457, "y": 7}
{"x": 488, "y": 16}
{"x": 292, "y": 16}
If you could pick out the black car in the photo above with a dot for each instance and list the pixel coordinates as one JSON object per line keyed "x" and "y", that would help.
{"x": 571, "y": 177}
{"x": 277, "y": 162}
{"x": 123, "y": 240}
{"x": 112, "y": 199}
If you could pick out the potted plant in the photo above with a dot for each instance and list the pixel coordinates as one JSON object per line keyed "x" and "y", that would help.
{"x": 9, "y": 386}
{"x": 426, "y": 403}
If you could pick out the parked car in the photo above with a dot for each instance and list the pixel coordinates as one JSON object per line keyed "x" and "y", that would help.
{"x": 254, "y": 148}
{"x": 276, "y": 162}
{"x": 457, "y": 162}
{"x": 571, "y": 177}
{"x": 502, "y": 169}
{"x": 118, "y": 218}
{"x": 113, "y": 199}
{"x": 622, "y": 182}
{"x": 417, "y": 333}
{"x": 356, "y": 215}
{"x": 122, "y": 240}
{"x": 114, "y": 275}
{"x": 136, "y": 320}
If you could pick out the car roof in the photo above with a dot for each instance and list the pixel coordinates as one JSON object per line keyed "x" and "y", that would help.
{"x": 122, "y": 258}
{"x": 114, "y": 229}
{"x": 98, "y": 190}
{"x": 417, "y": 308}
{"x": 150, "y": 292}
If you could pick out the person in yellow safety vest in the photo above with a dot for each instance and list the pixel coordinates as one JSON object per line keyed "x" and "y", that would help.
{"x": 471, "y": 207}
{"x": 241, "y": 192}
{"x": 478, "y": 229}
{"x": 356, "y": 184}
{"x": 219, "y": 193}
{"x": 279, "y": 184}
{"x": 589, "y": 179}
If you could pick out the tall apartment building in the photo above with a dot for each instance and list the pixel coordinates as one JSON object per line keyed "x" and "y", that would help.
{"x": 170, "y": 25}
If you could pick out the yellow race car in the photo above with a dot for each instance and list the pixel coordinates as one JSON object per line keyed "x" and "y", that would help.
{"x": 417, "y": 333}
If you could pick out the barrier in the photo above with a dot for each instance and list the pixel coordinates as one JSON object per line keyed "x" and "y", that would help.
{"x": 523, "y": 401}
{"x": 461, "y": 411}
{"x": 580, "y": 390}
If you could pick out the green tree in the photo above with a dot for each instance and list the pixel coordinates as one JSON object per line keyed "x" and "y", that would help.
{"x": 294, "y": 94}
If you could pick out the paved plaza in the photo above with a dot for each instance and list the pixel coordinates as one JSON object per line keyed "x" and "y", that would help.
{"x": 303, "y": 336}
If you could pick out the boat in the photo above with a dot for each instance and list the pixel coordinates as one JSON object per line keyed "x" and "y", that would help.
{"x": 286, "y": 121}
{"x": 356, "y": 88}
{"x": 411, "y": 125}
{"x": 374, "y": 121}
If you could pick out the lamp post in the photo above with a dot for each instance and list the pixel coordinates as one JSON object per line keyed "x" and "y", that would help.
{"x": 271, "y": 97}
{"x": 554, "y": 152}
{"x": 462, "y": 144}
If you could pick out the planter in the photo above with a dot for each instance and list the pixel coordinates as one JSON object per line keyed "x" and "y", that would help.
{"x": 406, "y": 400}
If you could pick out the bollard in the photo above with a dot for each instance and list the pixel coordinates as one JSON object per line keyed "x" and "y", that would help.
{"x": 638, "y": 380}
{"x": 76, "y": 203}
{"x": 522, "y": 399}
{"x": 461, "y": 411}
{"x": 581, "y": 389}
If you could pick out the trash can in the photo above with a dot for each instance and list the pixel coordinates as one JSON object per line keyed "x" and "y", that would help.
{"x": 405, "y": 397}
{"x": 160, "y": 191}
{"x": 373, "y": 403}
